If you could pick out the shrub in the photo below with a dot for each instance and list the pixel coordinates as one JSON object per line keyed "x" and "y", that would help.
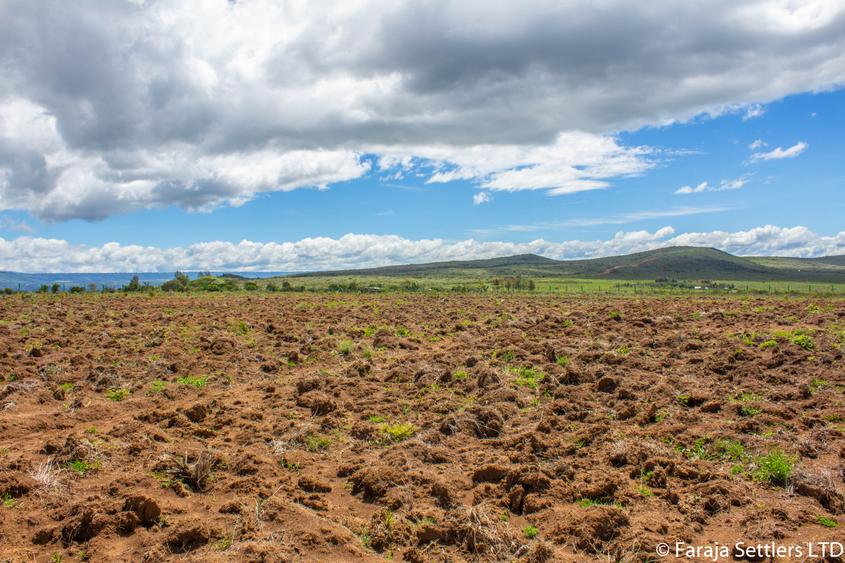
{"x": 345, "y": 347}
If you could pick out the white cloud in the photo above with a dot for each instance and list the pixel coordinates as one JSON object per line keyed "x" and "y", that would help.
{"x": 692, "y": 190}
{"x": 724, "y": 185}
{"x": 358, "y": 250}
{"x": 111, "y": 107}
{"x": 757, "y": 144}
{"x": 481, "y": 197}
{"x": 779, "y": 152}
{"x": 753, "y": 111}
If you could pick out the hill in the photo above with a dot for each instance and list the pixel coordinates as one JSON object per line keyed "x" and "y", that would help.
{"x": 680, "y": 262}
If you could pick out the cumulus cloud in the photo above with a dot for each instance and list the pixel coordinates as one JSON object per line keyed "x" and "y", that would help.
{"x": 724, "y": 185}
{"x": 361, "y": 250}
{"x": 109, "y": 107}
{"x": 481, "y": 197}
{"x": 778, "y": 153}
{"x": 757, "y": 144}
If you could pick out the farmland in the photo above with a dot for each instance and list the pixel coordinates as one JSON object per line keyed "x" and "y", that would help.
{"x": 416, "y": 426}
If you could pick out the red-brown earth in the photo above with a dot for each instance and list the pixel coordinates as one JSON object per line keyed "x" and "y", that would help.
{"x": 267, "y": 427}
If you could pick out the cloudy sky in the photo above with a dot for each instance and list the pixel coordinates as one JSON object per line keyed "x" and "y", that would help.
{"x": 146, "y": 135}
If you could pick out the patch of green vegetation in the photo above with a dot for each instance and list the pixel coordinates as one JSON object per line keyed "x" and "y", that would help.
{"x": 588, "y": 502}
{"x": 645, "y": 491}
{"x": 290, "y": 466}
{"x": 730, "y": 450}
{"x": 746, "y": 401}
{"x": 375, "y": 419}
{"x": 623, "y": 350}
{"x": 117, "y": 394}
{"x": 562, "y": 361}
{"x": 91, "y": 430}
{"x": 817, "y": 384}
{"x": 827, "y": 522}
{"x": 528, "y": 377}
{"x": 805, "y": 341}
{"x": 198, "y": 381}
{"x": 774, "y": 468}
{"x": 460, "y": 375}
{"x": 770, "y": 343}
{"x": 67, "y": 386}
{"x": 157, "y": 386}
{"x": 83, "y": 467}
{"x": 345, "y": 347}
{"x": 402, "y": 331}
{"x": 239, "y": 328}
{"x": 615, "y": 315}
{"x": 9, "y": 501}
{"x": 223, "y": 543}
{"x": 530, "y": 532}
{"x": 504, "y": 355}
{"x": 399, "y": 431}
{"x": 315, "y": 443}
{"x": 56, "y": 558}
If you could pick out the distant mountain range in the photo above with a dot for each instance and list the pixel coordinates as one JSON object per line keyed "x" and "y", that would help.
{"x": 678, "y": 262}
{"x": 31, "y": 282}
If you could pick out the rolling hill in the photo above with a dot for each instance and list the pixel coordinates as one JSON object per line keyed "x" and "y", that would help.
{"x": 680, "y": 262}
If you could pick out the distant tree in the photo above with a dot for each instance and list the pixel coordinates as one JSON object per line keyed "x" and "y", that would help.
{"x": 271, "y": 287}
{"x": 92, "y": 287}
{"x": 134, "y": 284}
{"x": 179, "y": 282}
{"x": 44, "y": 288}
{"x": 55, "y": 288}
{"x": 250, "y": 286}
{"x": 77, "y": 289}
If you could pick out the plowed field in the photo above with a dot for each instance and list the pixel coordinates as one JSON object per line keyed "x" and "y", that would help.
{"x": 267, "y": 427}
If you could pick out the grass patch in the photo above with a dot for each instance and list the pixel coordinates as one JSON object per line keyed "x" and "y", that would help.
{"x": 157, "y": 386}
{"x": 9, "y": 501}
{"x": 198, "y": 381}
{"x": 399, "y": 431}
{"x": 562, "y": 361}
{"x": 316, "y": 443}
{"x": 345, "y": 347}
{"x": 117, "y": 394}
{"x": 530, "y": 532}
{"x": 827, "y": 522}
{"x": 528, "y": 377}
{"x": 82, "y": 467}
{"x": 774, "y": 468}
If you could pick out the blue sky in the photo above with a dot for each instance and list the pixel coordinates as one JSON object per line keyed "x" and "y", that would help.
{"x": 391, "y": 153}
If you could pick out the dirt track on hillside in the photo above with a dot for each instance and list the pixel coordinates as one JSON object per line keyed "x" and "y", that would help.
{"x": 261, "y": 427}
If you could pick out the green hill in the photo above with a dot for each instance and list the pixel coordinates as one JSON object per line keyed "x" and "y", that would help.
{"x": 680, "y": 262}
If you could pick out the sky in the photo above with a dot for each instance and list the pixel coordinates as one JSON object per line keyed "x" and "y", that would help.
{"x": 257, "y": 135}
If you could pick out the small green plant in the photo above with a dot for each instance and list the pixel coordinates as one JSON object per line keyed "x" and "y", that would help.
{"x": 528, "y": 377}
{"x": 82, "y": 467}
{"x": 9, "y": 501}
{"x": 117, "y": 394}
{"x": 67, "y": 386}
{"x": 345, "y": 347}
{"x": 56, "y": 558}
{"x": 774, "y": 468}
{"x": 91, "y": 430}
{"x": 730, "y": 450}
{"x": 645, "y": 491}
{"x": 623, "y": 350}
{"x": 375, "y": 419}
{"x": 399, "y": 431}
{"x": 239, "y": 327}
{"x": 198, "y": 381}
{"x": 530, "y": 532}
{"x": 562, "y": 361}
{"x": 315, "y": 443}
{"x": 504, "y": 355}
{"x": 157, "y": 386}
{"x": 770, "y": 343}
{"x": 746, "y": 402}
{"x": 615, "y": 315}
{"x": 803, "y": 340}
{"x": 223, "y": 543}
{"x": 588, "y": 502}
{"x": 290, "y": 466}
{"x": 827, "y": 522}
{"x": 460, "y": 375}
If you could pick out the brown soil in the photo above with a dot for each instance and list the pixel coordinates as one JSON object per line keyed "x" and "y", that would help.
{"x": 268, "y": 427}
